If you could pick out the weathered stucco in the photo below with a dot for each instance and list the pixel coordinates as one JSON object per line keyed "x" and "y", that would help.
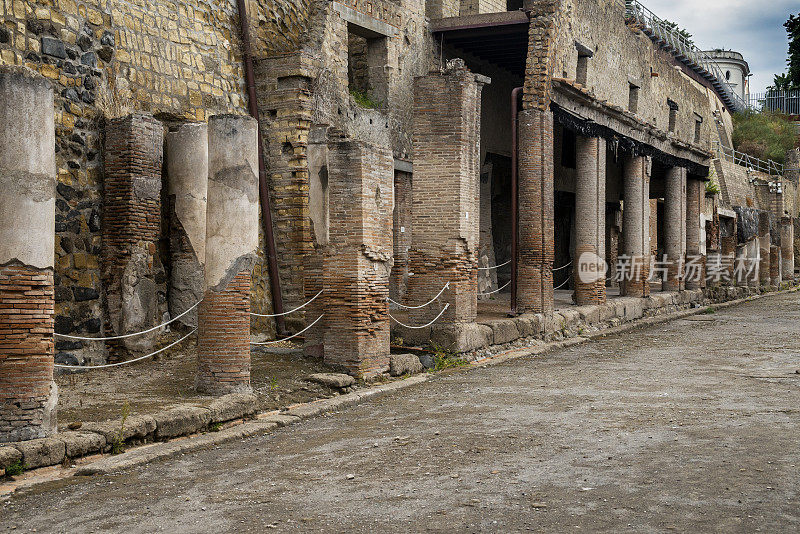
{"x": 231, "y": 241}
{"x": 27, "y": 168}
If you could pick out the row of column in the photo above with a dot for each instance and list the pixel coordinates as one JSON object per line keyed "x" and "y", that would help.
{"x": 213, "y": 175}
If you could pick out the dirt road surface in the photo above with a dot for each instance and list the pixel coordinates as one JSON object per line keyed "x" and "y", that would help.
{"x": 689, "y": 426}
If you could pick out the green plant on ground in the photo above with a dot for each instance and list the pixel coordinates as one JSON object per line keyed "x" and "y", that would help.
{"x": 118, "y": 445}
{"x": 215, "y": 427}
{"x": 712, "y": 187}
{"x": 444, "y": 359}
{"x": 16, "y": 469}
{"x": 766, "y": 135}
{"x": 364, "y": 100}
{"x": 709, "y": 310}
{"x": 273, "y": 383}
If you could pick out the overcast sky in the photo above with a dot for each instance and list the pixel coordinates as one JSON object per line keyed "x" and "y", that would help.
{"x": 752, "y": 27}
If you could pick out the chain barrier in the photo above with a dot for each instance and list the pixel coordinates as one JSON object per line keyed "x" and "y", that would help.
{"x": 423, "y": 326}
{"x": 61, "y": 366}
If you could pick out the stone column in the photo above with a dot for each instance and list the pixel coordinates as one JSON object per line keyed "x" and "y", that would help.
{"x": 753, "y": 255}
{"x": 675, "y": 225}
{"x": 28, "y": 395}
{"x": 358, "y": 258}
{"x": 133, "y": 156}
{"x": 787, "y": 248}
{"x": 775, "y": 265}
{"x": 728, "y": 253}
{"x": 223, "y": 346}
{"x": 636, "y": 226}
{"x": 590, "y": 218}
{"x": 695, "y": 192}
{"x": 764, "y": 243}
{"x": 445, "y": 213}
{"x": 536, "y": 205}
{"x": 187, "y": 178}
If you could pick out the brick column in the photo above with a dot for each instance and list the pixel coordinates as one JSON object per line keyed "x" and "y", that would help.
{"x": 695, "y": 193}
{"x": 764, "y": 243}
{"x": 590, "y": 219}
{"x": 536, "y": 205}
{"x": 787, "y": 248}
{"x": 445, "y": 210}
{"x": 223, "y": 346}
{"x": 131, "y": 226}
{"x": 675, "y": 225}
{"x": 636, "y": 225}
{"x": 358, "y": 258}
{"x": 187, "y": 178}
{"x": 28, "y": 395}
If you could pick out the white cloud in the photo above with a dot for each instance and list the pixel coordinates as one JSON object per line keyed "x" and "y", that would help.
{"x": 752, "y": 27}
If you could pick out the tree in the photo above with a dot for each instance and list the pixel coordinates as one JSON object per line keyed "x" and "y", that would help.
{"x": 791, "y": 80}
{"x": 674, "y": 28}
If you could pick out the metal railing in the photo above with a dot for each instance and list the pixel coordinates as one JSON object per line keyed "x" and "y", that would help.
{"x": 787, "y": 102}
{"x": 669, "y": 38}
{"x": 769, "y": 166}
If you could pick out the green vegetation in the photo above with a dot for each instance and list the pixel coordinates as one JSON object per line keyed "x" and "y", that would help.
{"x": 712, "y": 187}
{"x": 763, "y": 135}
{"x": 118, "y": 445}
{"x": 364, "y": 100}
{"x": 15, "y": 469}
{"x": 709, "y": 310}
{"x": 215, "y": 427}
{"x": 445, "y": 359}
{"x": 791, "y": 79}
{"x": 673, "y": 27}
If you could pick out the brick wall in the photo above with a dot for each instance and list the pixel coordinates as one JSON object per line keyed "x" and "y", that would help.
{"x": 445, "y": 213}
{"x": 131, "y": 268}
{"x": 27, "y": 392}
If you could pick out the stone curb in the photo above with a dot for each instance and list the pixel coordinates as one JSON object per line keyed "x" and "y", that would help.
{"x": 52, "y": 451}
{"x": 264, "y": 423}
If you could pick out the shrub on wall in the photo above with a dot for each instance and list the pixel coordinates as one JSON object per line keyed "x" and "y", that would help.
{"x": 764, "y": 135}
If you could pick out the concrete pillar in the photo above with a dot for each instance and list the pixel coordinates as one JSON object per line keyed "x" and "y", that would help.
{"x": 187, "y": 178}
{"x": 636, "y": 226}
{"x": 764, "y": 243}
{"x": 133, "y": 155}
{"x": 223, "y": 346}
{"x": 445, "y": 212}
{"x": 358, "y": 258}
{"x": 536, "y": 206}
{"x": 787, "y": 249}
{"x": 590, "y": 218}
{"x": 675, "y": 225}
{"x": 28, "y": 395}
{"x": 695, "y": 194}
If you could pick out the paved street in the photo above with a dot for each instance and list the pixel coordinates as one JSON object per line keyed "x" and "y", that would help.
{"x": 687, "y": 426}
